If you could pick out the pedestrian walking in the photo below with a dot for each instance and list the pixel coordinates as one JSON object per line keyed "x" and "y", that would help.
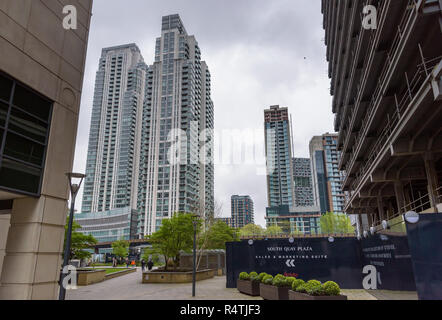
{"x": 149, "y": 265}
{"x": 143, "y": 265}
{"x": 127, "y": 263}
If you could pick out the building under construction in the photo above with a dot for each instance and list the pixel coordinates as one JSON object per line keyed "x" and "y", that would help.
{"x": 387, "y": 97}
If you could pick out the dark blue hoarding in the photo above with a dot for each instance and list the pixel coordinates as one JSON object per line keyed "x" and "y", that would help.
{"x": 425, "y": 240}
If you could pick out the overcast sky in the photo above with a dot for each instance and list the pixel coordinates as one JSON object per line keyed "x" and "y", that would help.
{"x": 259, "y": 52}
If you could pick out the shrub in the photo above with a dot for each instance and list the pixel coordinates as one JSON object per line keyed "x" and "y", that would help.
{"x": 296, "y": 283}
{"x": 268, "y": 279}
{"x": 309, "y": 287}
{"x": 253, "y": 276}
{"x": 261, "y": 276}
{"x": 316, "y": 290}
{"x": 331, "y": 288}
{"x": 244, "y": 276}
{"x": 290, "y": 281}
{"x": 280, "y": 281}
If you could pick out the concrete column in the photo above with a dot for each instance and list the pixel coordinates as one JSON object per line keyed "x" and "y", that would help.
{"x": 31, "y": 267}
{"x": 400, "y": 198}
{"x": 430, "y": 170}
{"x": 380, "y": 204}
{"x": 4, "y": 228}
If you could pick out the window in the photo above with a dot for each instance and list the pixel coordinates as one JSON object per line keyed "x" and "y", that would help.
{"x": 24, "y": 130}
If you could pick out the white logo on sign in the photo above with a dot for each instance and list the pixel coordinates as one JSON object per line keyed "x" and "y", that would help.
{"x": 290, "y": 263}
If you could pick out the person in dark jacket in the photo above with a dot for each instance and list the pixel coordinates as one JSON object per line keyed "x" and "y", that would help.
{"x": 143, "y": 265}
{"x": 149, "y": 265}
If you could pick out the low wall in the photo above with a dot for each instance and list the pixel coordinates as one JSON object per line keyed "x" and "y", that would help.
{"x": 119, "y": 273}
{"x": 176, "y": 277}
{"x": 86, "y": 277}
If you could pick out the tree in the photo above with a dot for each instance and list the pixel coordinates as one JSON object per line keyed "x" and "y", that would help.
{"x": 79, "y": 242}
{"x": 174, "y": 235}
{"x": 336, "y": 223}
{"x": 120, "y": 248}
{"x": 251, "y": 230}
{"x": 218, "y": 234}
{"x": 273, "y": 230}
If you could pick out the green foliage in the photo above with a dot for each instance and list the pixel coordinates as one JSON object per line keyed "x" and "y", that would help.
{"x": 251, "y": 230}
{"x": 290, "y": 281}
{"x": 308, "y": 287}
{"x": 332, "y": 223}
{"x": 261, "y": 276}
{"x": 316, "y": 290}
{"x": 267, "y": 279}
{"x": 244, "y": 276}
{"x": 296, "y": 283}
{"x": 79, "y": 242}
{"x": 273, "y": 230}
{"x": 120, "y": 248}
{"x": 175, "y": 235}
{"x": 253, "y": 276}
{"x": 280, "y": 281}
{"x": 331, "y": 288}
{"x": 218, "y": 234}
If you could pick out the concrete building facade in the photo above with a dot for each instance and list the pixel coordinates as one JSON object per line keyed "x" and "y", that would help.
{"x": 41, "y": 77}
{"x": 387, "y": 97}
{"x": 302, "y": 180}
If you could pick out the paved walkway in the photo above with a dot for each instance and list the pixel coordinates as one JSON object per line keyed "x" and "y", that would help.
{"x": 129, "y": 287}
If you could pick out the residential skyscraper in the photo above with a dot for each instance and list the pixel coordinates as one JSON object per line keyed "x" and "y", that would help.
{"x": 278, "y": 146}
{"x": 327, "y": 179}
{"x": 302, "y": 179}
{"x": 114, "y": 139}
{"x": 242, "y": 211}
{"x": 177, "y": 150}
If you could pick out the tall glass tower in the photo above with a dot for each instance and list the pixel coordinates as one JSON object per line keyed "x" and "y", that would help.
{"x": 280, "y": 187}
{"x": 114, "y": 139}
{"x": 176, "y": 166}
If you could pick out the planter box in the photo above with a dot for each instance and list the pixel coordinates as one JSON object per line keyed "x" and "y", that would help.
{"x": 250, "y": 288}
{"x": 302, "y": 296}
{"x": 269, "y": 292}
{"x": 176, "y": 277}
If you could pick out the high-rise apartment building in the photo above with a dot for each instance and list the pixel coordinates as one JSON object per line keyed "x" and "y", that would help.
{"x": 302, "y": 180}
{"x": 176, "y": 167}
{"x": 114, "y": 140}
{"x": 278, "y": 147}
{"x": 387, "y": 90}
{"x": 242, "y": 211}
{"x": 327, "y": 179}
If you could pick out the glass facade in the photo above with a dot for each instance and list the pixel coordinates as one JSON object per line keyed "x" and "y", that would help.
{"x": 24, "y": 132}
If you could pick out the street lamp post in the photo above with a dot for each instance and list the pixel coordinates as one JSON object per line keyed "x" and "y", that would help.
{"x": 195, "y": 225}
{"x": 74, "y": 187}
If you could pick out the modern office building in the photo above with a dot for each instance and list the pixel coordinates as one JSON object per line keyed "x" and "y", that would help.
{"x": 111, "y": 225}
{"x": 177, "y": 146}
{"x": 387, "y": 97}
{"x": 302, "y": 180}
{"x": 242, "y": 211}
{"x": 278, "y": 147}
{"x": 41, "y": 78}
{"x": 327, "y": 179}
